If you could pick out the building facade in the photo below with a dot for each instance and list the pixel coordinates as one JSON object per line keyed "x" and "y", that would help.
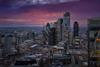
{"x": 94, "y": 39}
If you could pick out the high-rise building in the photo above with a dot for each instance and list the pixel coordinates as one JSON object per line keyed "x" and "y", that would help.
{"x": 67, "y": 28}
{"x": 52, "y": 36}
{"x": 76, "y": 38}
{"x": 63, "y": 27}
{"x": 30, "y": 35}
{"x": 45, "y": 32}
{"x": 66, "y": 20}
{"x": 60, "y": 30}
{"x": 94, "y": 39}
{"x": 2, "y": 41}
{"x": 48, "y": 27}
{"x": 33, "y": 35}
{"x": 8, "y": 45}
{"x": 76, "y": 29}
{"x": 0, "y": 45}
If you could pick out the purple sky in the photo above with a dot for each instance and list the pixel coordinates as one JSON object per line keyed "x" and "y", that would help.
{"x": 14, "y": 12}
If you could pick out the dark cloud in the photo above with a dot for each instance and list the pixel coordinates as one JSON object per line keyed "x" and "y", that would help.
{"x": 5, "y": 2}
{"x": 16, "y": 5}
{"x": 31, "y": 2}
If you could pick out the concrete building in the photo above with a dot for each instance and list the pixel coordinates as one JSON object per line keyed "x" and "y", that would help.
{"x": 52, "y": 36}
{"x": 66, "y": 20}
{"x": 8, "y": 45}
{"x": 76, "y": 37}
{"x": 76, "y": 29}
{"x": 63, "y": 27}
{"x": 60, "y": 29}
{"x": 94, "y": 40}
{"x": 67, "y": 28}
{"x": 0, "y": 45}
{"x": 46, "y": 31}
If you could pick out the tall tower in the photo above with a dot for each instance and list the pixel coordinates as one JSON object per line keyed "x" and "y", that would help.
{"x": 76, "y": 38}
{"x": 66, "y": 28}
{"x": 33, "y": 35}
{"x": 48, "y": 27}
{"x": 8, "y": 44}
{"x": 60, "y": 29}
{"x": 52, "y": 36}
{"x": 66, "y": 20}
{"x": 75, "y": 29}
{"x": 0, "y": 45}
{"x": 94, "y": 41}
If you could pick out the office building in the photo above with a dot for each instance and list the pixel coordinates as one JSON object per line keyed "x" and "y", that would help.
{"x": 66, "y": 20}
{"x": 94, "y": 39}
{"x": 76, "y": 37}
{"x": 60, "y": 29}
{"x": 67, "y": 28}
{"x": 76, "y": 29}
{"x": 52, "y": 36}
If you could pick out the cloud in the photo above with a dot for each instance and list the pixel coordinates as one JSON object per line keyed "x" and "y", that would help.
{"x": 31, "y": 18}
{"x": 20, "y": 3}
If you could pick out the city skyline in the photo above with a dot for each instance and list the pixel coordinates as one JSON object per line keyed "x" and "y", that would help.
{"x": 39, "y": 14}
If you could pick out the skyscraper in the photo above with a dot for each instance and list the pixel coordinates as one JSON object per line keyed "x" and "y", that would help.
{"x": 48, "y": 26}
{"x": 66, "y": 28}
{"x": 52, "y": 36}
{"x": 33, "y": 35}
{"x": 76, "y": 37}
{"x": 8, "y": 45}
{"x": 46, "y": 32}
{"x": 66, "y": 20}
{"x": 76, "y": 29}
{"x": 94, "y": 39}
{"x": 0, "y": 45}
{"x": 60, "y": 29}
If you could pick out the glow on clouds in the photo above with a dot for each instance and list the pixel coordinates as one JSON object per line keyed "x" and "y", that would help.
{"x": 19, "y": 3}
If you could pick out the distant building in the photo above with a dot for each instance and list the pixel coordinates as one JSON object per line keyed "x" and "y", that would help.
{"x": 45, "y": 32}
{"x": 66, "y": 20}
{"x": 30, "y": 35}
{"x": 63, "y": 27}
{"x": 94, "y": 38}
{"x": 66, "y": 28}
{"x": 8, "y": 44}
{"x": 0, "y": 39}
{"x": 52, "y": 36}
{"x": 76, "y": 29}
{"x": 47, "y": 29}
{"x": 60, "y": 30}
{"x": 76, "y": 37}
{"x": 0, "y": 45}
{"x": 33, "y": 35}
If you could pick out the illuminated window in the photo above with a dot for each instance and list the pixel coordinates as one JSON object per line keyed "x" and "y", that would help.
{"x": 98, "y": 39}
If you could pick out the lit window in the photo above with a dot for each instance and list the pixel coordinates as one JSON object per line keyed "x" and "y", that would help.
{"x": 98, "y": 39}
